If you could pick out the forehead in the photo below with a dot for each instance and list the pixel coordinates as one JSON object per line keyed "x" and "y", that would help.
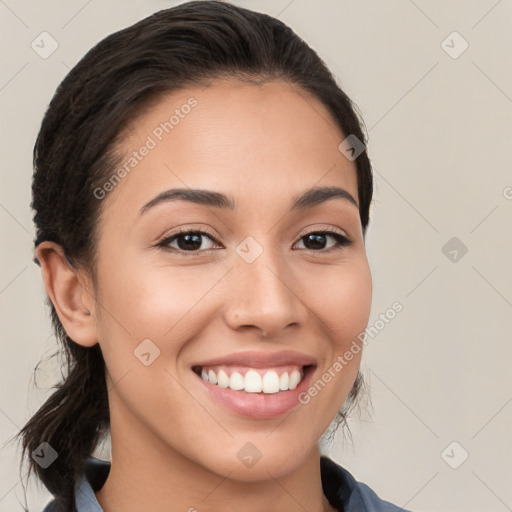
{"x": 256, "y": 143}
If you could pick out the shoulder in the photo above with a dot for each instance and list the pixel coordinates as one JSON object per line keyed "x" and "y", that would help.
{"x": 349, "y": 495}
{"x": 51, "y": 507}
{"x": 94, "y": 475}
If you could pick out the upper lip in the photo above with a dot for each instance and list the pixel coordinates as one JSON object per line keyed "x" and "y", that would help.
{"x": 258, "y": 359}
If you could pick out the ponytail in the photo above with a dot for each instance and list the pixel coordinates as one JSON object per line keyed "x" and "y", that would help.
{"x": 71, "y": 421}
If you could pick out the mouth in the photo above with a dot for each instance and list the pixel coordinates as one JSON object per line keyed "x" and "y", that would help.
{"x": 253, "y": 380}
{"x": 255, "y": 385}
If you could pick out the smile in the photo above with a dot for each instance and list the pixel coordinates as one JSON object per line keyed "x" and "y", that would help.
{"x": 254, "y": 384}
{"x": 253, "y": 380}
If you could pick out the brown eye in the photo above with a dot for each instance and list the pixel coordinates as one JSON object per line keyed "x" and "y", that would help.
{"x": 316, "y": 240}
{"x": 190, "y": 241}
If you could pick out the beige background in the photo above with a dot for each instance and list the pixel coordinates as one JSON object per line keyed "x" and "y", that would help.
{"x": 440, "y": 130}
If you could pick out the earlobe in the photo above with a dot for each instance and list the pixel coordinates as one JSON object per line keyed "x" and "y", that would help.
{"x": 67, "y": 289}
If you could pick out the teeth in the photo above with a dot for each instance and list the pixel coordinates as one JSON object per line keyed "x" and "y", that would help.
{"x": 294, "y": 379}
{"x": 270, "y": 382}
{"x": 222, "y": 379}
{"x": 253, "y": 381}
{"x": 283, "y": 381}
{"x": 236, "y": 381}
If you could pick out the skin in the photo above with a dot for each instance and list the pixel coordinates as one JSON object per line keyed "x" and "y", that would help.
{"x": 173, "y": 447}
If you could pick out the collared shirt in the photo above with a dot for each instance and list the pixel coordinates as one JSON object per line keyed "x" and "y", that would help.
{"x": 342, "y": 490}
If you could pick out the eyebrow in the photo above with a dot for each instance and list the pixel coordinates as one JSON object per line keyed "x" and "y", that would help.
{"x": 307, "y": 199}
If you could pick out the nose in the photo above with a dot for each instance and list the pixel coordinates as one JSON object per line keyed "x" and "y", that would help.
{"x": 265, "y": 295}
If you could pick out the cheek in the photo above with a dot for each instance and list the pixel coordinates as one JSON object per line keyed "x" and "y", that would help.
{"x": 154, "y": 301}
{"x": 164, "y": 304}
{"x": 343, "y": 306}
{"x": 151, "y": 299}
{"x": 343, "y": 302}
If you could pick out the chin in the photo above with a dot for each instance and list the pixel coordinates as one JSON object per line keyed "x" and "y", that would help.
{"x": 257, "y": 460}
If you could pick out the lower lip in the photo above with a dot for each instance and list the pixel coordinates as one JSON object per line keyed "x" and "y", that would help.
{"x": 260, "y": 406}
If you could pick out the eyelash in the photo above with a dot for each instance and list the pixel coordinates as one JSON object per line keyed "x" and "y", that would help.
{"x": 342, "y": 241}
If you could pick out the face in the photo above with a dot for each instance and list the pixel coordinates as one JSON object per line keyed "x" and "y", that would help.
{"x": 218, "y": 316}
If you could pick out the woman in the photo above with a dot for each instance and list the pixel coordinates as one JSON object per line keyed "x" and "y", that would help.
{"x": 201, "y": 197}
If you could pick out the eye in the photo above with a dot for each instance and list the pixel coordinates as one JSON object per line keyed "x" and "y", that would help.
{"x": 317, "y": 239}
{"x": 189, "y": 242}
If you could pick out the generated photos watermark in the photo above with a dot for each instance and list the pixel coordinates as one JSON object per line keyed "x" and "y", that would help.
{"x": 152, "y": 140}
{"x": 345, "y": 358}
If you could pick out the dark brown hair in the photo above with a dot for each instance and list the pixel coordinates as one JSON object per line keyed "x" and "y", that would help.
{"x": 75, "y": 152}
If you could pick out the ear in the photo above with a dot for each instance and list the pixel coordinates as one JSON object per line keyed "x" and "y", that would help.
{"x": 71, "y": 293}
